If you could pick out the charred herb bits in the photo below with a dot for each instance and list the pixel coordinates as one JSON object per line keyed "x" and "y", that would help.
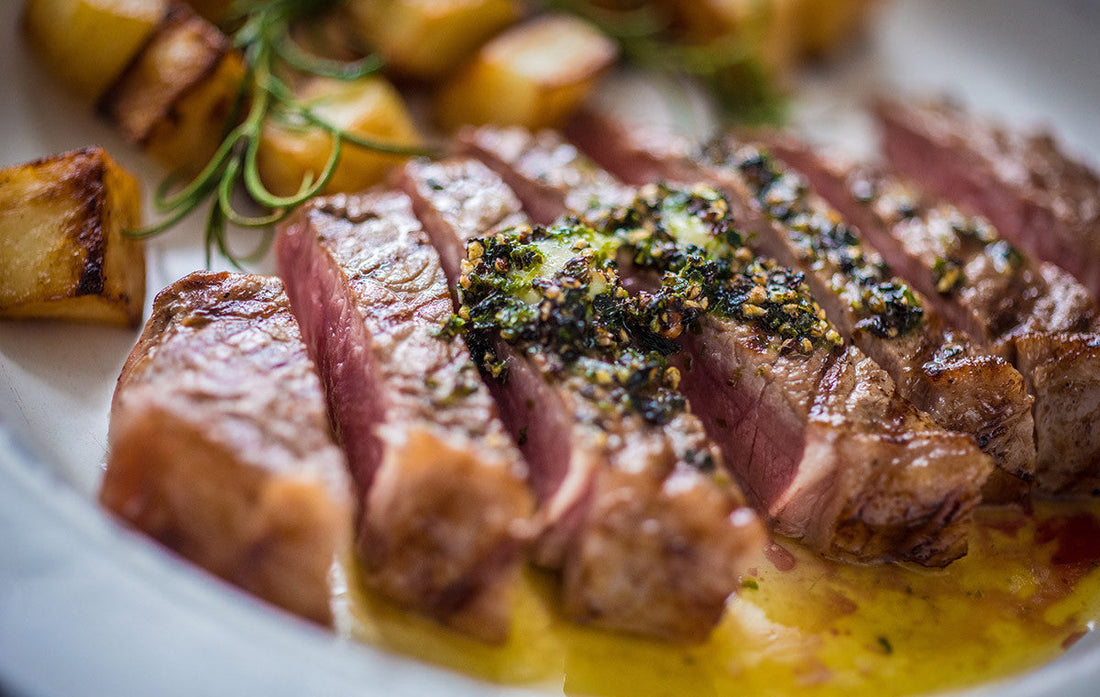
{"x": 688, "y": 237}
{"x": 886, "y": 307}
{"x": 554, "y": 295}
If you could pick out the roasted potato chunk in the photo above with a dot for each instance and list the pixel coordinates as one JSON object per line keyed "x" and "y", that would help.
{"x": 88, "y": 43}
{"x": 825, "y": 25}
{"x": 767, "y": 29}
{"x": 63, "y": 254}
{"x": 213, "y": 10}
{"x": 174, "y": 99}
{"x": 429, "y": 38}
{"x": 533, "y": 75}
{"x": 369, "y": 108}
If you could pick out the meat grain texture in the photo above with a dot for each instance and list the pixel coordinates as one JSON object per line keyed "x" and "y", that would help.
{"x": 443, "y": 503}
{"x": 645, "y": 541}
{"x": 220, "y": 448}
{"x": 1038, "y": 197}
{"x": 960, "y": 385}
{"x": 822, "y": 444}
{"x": 1028, "y": 311}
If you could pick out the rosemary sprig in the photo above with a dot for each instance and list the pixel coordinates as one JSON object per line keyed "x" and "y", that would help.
{"x": 263, "y": 37}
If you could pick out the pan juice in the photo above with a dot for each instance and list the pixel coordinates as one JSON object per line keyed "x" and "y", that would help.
{"x": 799, "y": 625}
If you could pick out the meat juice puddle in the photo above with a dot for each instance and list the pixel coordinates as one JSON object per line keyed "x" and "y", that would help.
{"x": 1028, "y": 588}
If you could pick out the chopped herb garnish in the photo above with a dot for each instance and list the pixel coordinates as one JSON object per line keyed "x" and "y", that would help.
{"x": 688, "y": 237}
{"x": 884, "y": 305}
{"x": 947, "y": 274}
{"x": 554, "y": 294}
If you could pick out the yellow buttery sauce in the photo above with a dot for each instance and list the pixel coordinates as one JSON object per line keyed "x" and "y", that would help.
{"x": 1028, "y": 588}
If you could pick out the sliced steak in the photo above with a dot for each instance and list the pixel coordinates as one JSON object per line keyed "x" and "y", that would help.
{"x": 808, "y": 436}
{"x": 546, "y": 172}
{"x": 995, "y": 292}
{"x": 962, "y": 387}
{"x": 1061, "y": 370}
{"x": 1037, "y": 197}
{"x": 219, "y": 444}
{"x": 814, "y": 428}
{"x": 647, "y": 537}
{"x": 465, "y": 196}
{"x": 444, "y": 507}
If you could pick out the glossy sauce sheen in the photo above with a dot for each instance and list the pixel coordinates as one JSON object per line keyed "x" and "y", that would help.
{"x": 1027, "y": 590}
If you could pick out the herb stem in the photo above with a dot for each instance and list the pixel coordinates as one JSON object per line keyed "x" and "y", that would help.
{"x": 263, "y": 38}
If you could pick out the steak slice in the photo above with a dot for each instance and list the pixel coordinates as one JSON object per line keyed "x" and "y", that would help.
{"x": 985, "y": 286}
{"x": 808, "y": 437}
{"x": 647, "y": 537}
{"x": 546, "y": 172}
{"x": 444, "y": 507}
{"x": 219, "y": 444}
{"x": 1061, "y": 370}
{"x": 1036, "y": 196}
{"x": 962, "y": 387}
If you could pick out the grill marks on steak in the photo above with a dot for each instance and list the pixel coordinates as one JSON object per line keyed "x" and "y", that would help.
{"x": 821, "y": 443}
{"x": 1029, "y": 312}
{"x": 219, "y": 444}
{"x": 443, "y": 501}
{"x": 1035, "y": 195}
{"x": 961, "y": 387}
{"x": 645, "y": 540}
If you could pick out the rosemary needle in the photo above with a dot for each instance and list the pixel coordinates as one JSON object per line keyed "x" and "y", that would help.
{"x": 263, "y": 37}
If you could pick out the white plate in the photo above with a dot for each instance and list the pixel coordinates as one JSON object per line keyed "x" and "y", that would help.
{"x": 88, "y": 608}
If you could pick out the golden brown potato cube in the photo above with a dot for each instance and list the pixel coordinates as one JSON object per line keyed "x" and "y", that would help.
{"x": 213, "y": 10}
{"x": 63, "y": 253}
{"x": 825, "y": 25}
{"x": 768, "y": 29}
{"x": 429, "y": 38}
{"x": 369, "y": 107}
{"x": 88, "y": 43}
{"x": 174, "y": 99}
{"x": 532, "y": 75}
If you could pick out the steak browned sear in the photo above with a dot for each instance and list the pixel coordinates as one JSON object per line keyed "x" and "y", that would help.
{"x": 219, "y": 443}
{"x": 814, "y": 432}
{"x": 648, "y": 535}
{"x": 1037, "y": 197}
{"x": 997, "y": 293}
{"x": 961, "y": 386}
{"x": 546, "y": 172}
{"x": 444, "y": 506}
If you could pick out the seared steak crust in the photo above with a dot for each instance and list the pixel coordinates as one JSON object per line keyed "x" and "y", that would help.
{"x": 879, "y": 313}
{"x": 546, "y": 172}
{"x": 443, "y": 502}
{"x": 645, "y": 540}
{"x": 996, "y": 292}
{"x": 825, "y": 446}
{"x": 219, "y": 444}
{"x": 1036, "y": 196}
{"x": 1063, "y": 376}
{"x": 818, "y": 441}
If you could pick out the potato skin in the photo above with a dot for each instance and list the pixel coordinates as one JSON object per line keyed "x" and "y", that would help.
{"x": 87, "y": 44}
{"x": 369, "y": 107}
{"x": 427, "y": 39}
{"x": 175, "y": 97}
{"x": 533, "y": 75}
{"x": 63, "y": 254}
